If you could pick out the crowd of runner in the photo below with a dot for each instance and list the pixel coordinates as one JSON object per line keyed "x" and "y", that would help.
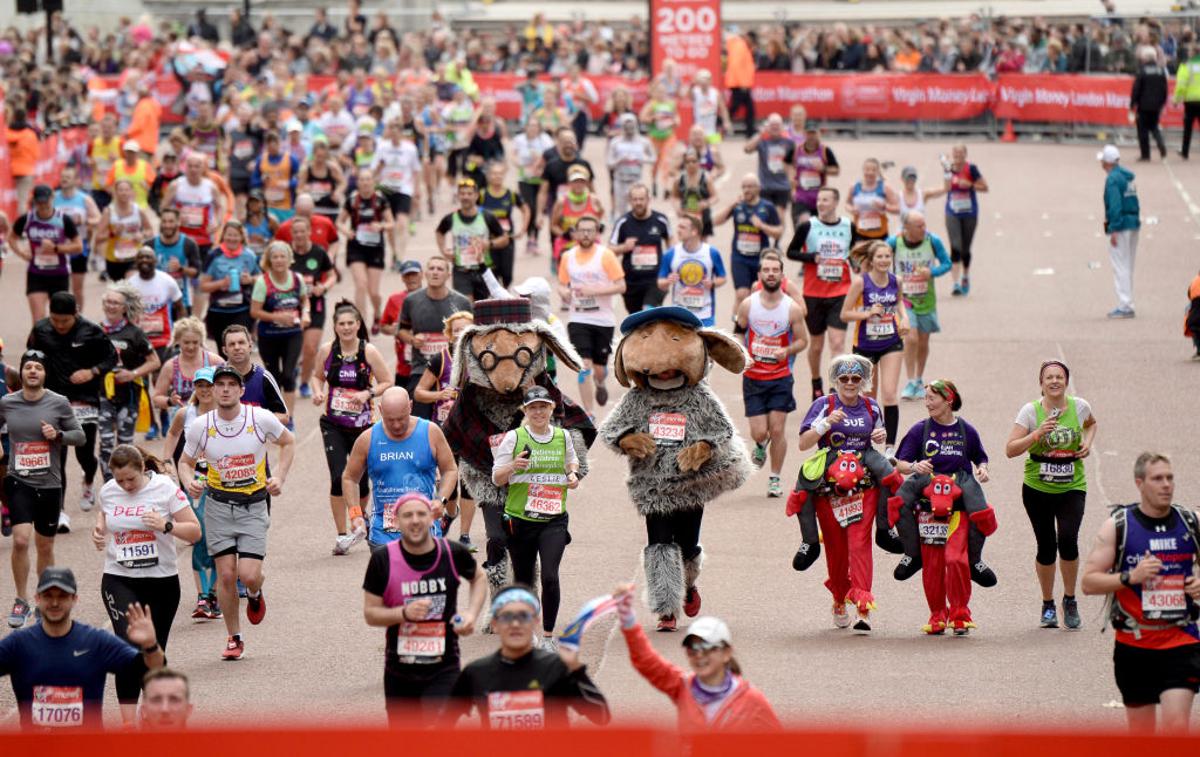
{"x": 221, "y": 244}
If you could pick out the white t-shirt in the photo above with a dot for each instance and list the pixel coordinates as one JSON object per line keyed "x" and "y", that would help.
{"x": 134, "y": 549}
{"x": 339, "y": 127}
{"x": 1027, "y": 417}
{"x": 399, "y": 162}
{"x": 158, "y": 293}
{"x": 503, "y": 453}
{"x": 528, "y": 151}
{"x": 236, "y": 450}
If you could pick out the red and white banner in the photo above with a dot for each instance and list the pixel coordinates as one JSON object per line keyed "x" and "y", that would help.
{"x": 1061, "y": 98}
{"x": 874, "y": 97}
{"x": 689, "y": 33}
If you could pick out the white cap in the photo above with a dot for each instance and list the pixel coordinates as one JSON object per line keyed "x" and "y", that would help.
{"x": 294, "y": 125}
{"x": 131, "y": 145}
{"x": 1110, "y": 154}
{"x": 710, "y": 629}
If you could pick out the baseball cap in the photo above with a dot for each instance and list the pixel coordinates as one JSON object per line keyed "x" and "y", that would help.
{"x": 1110, "y": 154}
{"x": 293, "y": 126}
{"x": 57, "y": 578}
{"x": 43, "y": 193}
{"x": 203, "y": 374}
{"x": 131, "y": 144}
{"x": 908, "y": 172}
{"x": 410, "y": 266}
{"x": 710, "y": 629}
{"x": 578, "y": 172}
{"x": 228, "y": 370}
{"x": 537, "y": 394}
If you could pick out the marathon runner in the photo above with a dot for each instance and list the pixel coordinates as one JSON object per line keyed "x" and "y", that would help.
{"x": 398, "y": 165}
{"x": 322, "y": 179}
{"x": 413, "y": 277}
{"x": 963, "y": 183}
{"x": 411, "y": 589}
{"x": 81, "y": 209}
{"x": 200, "y": 203}
{"x": 870, "y": 200}
{"x": 276, "y": 173}
{"x": 132, "y": 167}
{"x": 874, "y": 301}
{"x": 401, "y": 454}
{"x": 1057, "y": 431}
{"x": 353, "y": 373}
{"x": 692, "y": 270}
{"x": 521, "y": 686}
{"x": 1144, "y": 558}
{"x": 322, "y": 231}
{"x": 919, "y": 258}
{"x": 556, "y": 165}
{"x": 55, "y": 689}
{"x": 527, "y": 149}
{"x": 466, "y": 239}
{"x": 136, "y": 362}
{"x": 588, "y": 276}
{"x": 40, "y": 422}
{"x": 124, "y": 227}
{"x": 228, "y": 278}
{"x": 628, "y": 154}
{"x": 177, "y": 254}
{"x": 261, "y": 389}
{"x": 776, "y": 162}
{"x": 823, "y": 244}
{"x": 142, "y": 513}
{"x": 166, "y": 701}
{"x": 503, "y": 203}
{"x": 45, "y": 238}
{"x": 693, "y": 193}
{"x": 814, "y": 162}
{"x": 577, "y": 201}
{"x": 233, "y": 441}
{"x": 708, "y": 107}
{"x": 640, "y": 237}
{"x": 173, "y": 387}
{"x": 104, "y": 150}
{"x": 774, "y": 327}
{"x": 537, "y": 464}
{"x": 422, "y": 321}
{"x": 78, "y": 355}
{"x": 280, "y": 305}
{"x": 660, "y": 116}
{"x": 756, "y": 226}
{"x": 365, "y": 220}
{"x": 162, "y": 305}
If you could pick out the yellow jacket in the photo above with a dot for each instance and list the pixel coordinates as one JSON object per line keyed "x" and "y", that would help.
{"x": 1187, "y": 81}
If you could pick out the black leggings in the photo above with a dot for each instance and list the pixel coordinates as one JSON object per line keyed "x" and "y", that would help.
{"x": 339, "y": 440}
{"x": 85, "y": 454}
{"x": 280, "y": 356}
{"x": 681, "y": 528}
{"x": 527, "y": 541}
{"x": 961, "y": 230}
{"x": 529, "y": 193}
{"x": 497, "y": 536}
{"x": 1055, "y": 519}
{"x": 162, "y": 597}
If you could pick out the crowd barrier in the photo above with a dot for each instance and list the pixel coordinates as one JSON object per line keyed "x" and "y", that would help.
{"x": 605, "y": 742}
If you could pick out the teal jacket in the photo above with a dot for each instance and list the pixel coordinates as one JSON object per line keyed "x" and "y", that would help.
{"x": 1121, "y": 209}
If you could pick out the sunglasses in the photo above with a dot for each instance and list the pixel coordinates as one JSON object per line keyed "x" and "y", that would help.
{"x": 33, "y": 355}
{"x": 521, "y": 617}
{"x": 850, "y": 379}
{"x": 699, "y": 646}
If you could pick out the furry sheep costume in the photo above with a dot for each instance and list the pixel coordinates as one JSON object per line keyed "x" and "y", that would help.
{"x": 489, "y": 404}
{"x": 682, "y": 447}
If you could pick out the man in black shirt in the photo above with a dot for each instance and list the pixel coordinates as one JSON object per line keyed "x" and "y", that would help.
{"x": 640, "y": 237}
{"x": 467, "y": 237}
{"x": 422, "y": 322}
{"x": 559, "y": 160}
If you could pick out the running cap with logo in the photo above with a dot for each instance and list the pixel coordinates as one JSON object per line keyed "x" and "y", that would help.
{"x": 57, "y": 578}
{"x": 710, "y": 629}
{"x": 537, "y": 394}
{"x": 230, "y": 371}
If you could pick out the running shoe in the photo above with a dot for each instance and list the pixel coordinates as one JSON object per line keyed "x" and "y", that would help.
{"x": 667, "y": 624}
{"x": 234, "y": 648}
{"x": 550, "y": 644}
{"x": 256, "y": 608}
{"x": 5, "y": 522}
{"x": 760, "y": 454}
{"x": 87, "y": 499}
{"x": 465, "y": 540}
{"x": 919, "y": 391}
{"x": 20, "y": 613}
{"x": 889, "y": 452}
{"x": 241, "y": 589}
{"x": 957, "y": 291}
{"x": 152, "y": 433}
{"x": 201, "y": 610}
{"x": 909, "y": 390}
{"x": 982, "y": 574}
{"x": 1121, "y": 313}
{"x": 817, "y": 393}
{"x": 862, "y": 624}
{"x": 1049, "y": 617}
{"x": 214, "y": 608}
{"x": 64, "y": 523}
{"x": 602, "y": 395}
{"x": 305, "y": 391}
{"x": 841, "y": 616}
{"x": 375, "y": 328}
{"x": 691, "y": 602}
{"x": 395, "y": 266}
{"x": 342, "y": 544}
{"x": 906, "y": 568}
{"x": 774, "y": 487}
{"x": 966, "y": 285}
{"x": 531, "y": 247}
{"x": 1071, "y": 619}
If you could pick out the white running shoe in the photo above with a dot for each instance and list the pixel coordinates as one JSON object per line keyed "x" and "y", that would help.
{"x": 841, "y": 616}
{"x": 87, "y": 500}
{"x": 64, "y": 523}
{"x": 863, "y": 623}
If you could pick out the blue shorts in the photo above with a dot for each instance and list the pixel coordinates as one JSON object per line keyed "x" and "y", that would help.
{"x": 762, "y": 397}
{"x": 281, "y": 215}
{"x": 745, "y": 270}
{"x": 927, "y": 323}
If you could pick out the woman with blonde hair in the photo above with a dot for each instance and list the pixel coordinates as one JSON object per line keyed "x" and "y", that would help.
{"x": 279, "y": 303}
{"x": 136, "y": 360}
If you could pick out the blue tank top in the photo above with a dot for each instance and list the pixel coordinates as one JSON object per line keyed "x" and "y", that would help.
{"x": 879, "y": 333}
{"x": 167, "y": 252}
{"x": 75, "y": 206}
{"x": 1160, "y": 600}
{"x": 258, "y": 234}
{"x": 395, "y": 468}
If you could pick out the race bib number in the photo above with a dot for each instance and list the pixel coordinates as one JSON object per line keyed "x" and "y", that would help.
{"x": 914, "y": 287}
{"x": 1057, "y": 473}
{"x": 57, "y": 706}
{"x": 396, "y": 177}
{"x": 931, "y": 530}
{"x": 228, "y": 300}
{"x": 960, "y": 202}
{"x": 870, "y": 222}
{"x": 668, "y": 427}
{"x": 470, "y": 255}
{"x": 644, "y": 257}
{"x": 775, "y": 159}
{"x": 191, "y": 216}
{"x": 343, "y": 402}
{"x": 421, "y": 642}
{"x": 136, "y": 549}
{"x": 880, "y": 329}
{"x": 433, "y": 344}
{"x": 545, "y": 501}
{"x": 582, "y": 304}
{"x": 31, "y": 457}
{"x": 275, "y": 194}
{"x": 243, "y": 149}
{"x": 847, "y": 510}
{"x": 319, "y": 190}
{"x": 237, "y": 470}
{"x": 516, "y": 710}
{"x": 693, "y": 298}
{"x": 85, "y": 413}
{"x": 505, "y": 223}
{"x": 749, "y": 243}
{"x": 1163, "y": 597}
{"x": 45, "y": 261}
{"x": 830, "y": 270}
{"x": 125, "y": 250}
{"x": 763, "y": 348}
{"x": 368, "y": 234}
{"x": 810, "y": 180}
{"x": 154, "y": 324}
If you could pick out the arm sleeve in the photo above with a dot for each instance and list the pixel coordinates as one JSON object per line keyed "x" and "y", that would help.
{"x": 493, "y": 225}
{"x": 443, "y": 226}
{"x": 72, "y": 432}
{"x": 1112, "y": 203}
{"x": 1027, "y": 417}
{"x": 616, "y": 232}
{"x": 584, "y": 695}
{"x": 943, "y": 259}
{"x": 117, "y": 653}
{"x": 9, "y": 654}
{"x": 659, "y": 673}
{"x": 717, "y": 264}
{"x": 664, "y": 268}
{"x": 910, "y": 446}
{"x": 193, "y": 435}
{"x": 830, "y": 161}
{"x": 70, "y": 230}
{"x": 795, "y": 250}
{"x": 191, "y": 251}
{"x": 612, "y": 266}
{"x": 391, "y": 311}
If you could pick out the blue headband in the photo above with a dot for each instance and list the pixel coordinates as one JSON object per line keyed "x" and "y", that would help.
{"x": 515, "y": 594}
{"x": 854, "y": 368}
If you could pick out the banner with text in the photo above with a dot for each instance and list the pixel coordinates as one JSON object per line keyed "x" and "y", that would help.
{"x": 689, "y": 33}
{"x": 874, "y": 97}
{"x": 1071, "y": 99}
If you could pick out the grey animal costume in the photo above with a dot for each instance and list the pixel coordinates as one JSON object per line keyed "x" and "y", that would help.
{"x": 670, "y": 498}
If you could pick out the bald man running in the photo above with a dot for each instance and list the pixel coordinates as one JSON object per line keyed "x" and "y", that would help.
{"x": 400, "y": 453}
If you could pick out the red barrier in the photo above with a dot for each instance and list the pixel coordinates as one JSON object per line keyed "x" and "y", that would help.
{"x": 875, "y": 97}
{"x": 1058, "y": 98}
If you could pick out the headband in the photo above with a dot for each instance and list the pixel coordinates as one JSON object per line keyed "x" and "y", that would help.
{"x": 411, "y": 496}
{"x": 1047, "y": 363}
{"x": 515, "y": 594}
{"x": 940, "y": 387}
{"x": 850, "y": 367}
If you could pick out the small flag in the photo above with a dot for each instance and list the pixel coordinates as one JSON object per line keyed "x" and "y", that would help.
{"x": 591, "y": 612}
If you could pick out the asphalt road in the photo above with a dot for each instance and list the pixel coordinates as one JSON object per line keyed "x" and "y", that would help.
{"x": 1037, "y": 292}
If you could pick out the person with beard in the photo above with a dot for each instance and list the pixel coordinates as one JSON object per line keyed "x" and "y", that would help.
{"x": 775, "y": 334}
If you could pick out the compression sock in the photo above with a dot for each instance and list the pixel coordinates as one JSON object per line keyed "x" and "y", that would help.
{"x": 891, "y": 421}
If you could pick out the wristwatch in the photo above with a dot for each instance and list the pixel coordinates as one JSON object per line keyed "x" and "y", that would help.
{"x": 1126, "y": 580}
{"x": 150, "y": 650}
{"x": 169, "y": 527}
